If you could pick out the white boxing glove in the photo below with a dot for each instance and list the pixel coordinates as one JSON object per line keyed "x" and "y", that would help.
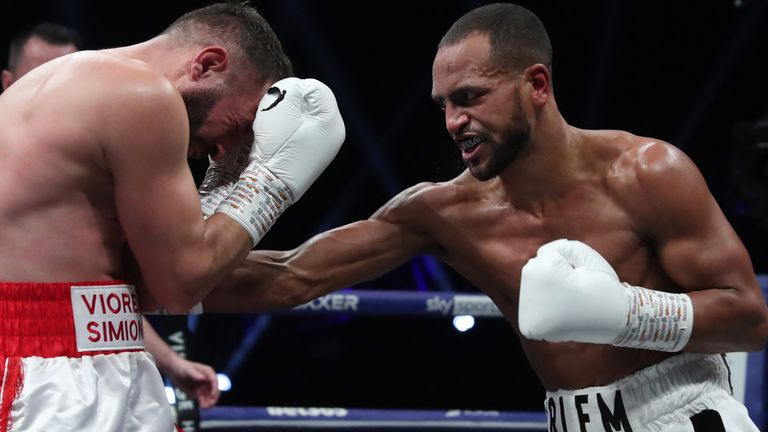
{"x": 569, "y": 292}
{"x": 297, "y": 132}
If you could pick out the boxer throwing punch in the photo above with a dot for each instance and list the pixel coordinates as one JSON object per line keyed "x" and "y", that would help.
{"x": 96, "y": 182}
{"x": 583, "y": 238}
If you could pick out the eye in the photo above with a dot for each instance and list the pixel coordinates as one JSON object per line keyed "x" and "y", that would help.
{"x": 466, "y": 96}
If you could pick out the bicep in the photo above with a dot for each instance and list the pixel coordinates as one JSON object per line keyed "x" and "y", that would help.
{"x": 704, "y": 257}
{"x": 696, "y": 245}
{"x": 706, "y": 254}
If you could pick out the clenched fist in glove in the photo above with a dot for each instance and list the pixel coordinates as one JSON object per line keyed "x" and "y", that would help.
{"x": 297, "y": 132}
{"x": 569, "y": 292}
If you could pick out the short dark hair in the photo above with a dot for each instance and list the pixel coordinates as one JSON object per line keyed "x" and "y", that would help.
{"x": 517, "y": 37}
{"x": 237, "y": 25}
{"x": 52, "y": 33}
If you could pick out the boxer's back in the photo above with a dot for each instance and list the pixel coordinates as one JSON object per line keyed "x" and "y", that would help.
{"x": 57, "y": 212}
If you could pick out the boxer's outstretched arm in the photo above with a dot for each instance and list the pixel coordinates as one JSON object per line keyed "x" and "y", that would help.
{"x": 699, "y": 250}
{"x": 333, "y": 260}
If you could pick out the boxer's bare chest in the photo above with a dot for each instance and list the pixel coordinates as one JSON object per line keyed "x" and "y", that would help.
{"x": 490, "y": 240}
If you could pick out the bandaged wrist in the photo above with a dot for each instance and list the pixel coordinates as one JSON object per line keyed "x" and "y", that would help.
{"x": 656, "y": 320}
{"x": 210, "y": 199}
{"x": 218, "y": 183}
{"x": 257, "y": 200}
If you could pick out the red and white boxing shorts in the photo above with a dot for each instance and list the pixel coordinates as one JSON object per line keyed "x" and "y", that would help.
{"x": 684, "y": 393}
{"x": 72, "y": 359}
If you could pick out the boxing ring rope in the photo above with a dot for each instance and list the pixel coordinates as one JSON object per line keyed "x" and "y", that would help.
{"x": 400, "y": 303}
{"x": 421, "y": 304}
{"x": 292, "y": 418}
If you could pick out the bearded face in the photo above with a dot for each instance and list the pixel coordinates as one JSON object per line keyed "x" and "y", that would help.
{"x": 199, "y": 104}
{"x": 500, "y": 154}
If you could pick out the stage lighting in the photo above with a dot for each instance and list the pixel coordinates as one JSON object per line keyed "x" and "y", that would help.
{"x": 463, "y": 322}
{"x": 225, "y": 384}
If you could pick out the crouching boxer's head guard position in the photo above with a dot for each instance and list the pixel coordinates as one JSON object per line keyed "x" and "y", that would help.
{"x": 97, "y": 190}
{"x": 604, "y": 250}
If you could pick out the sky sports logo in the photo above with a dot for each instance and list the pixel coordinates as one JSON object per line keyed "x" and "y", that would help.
{"x": 474, "y": 305}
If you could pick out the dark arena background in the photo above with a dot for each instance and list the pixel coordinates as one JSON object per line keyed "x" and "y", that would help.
{"x": 693, "y": 73}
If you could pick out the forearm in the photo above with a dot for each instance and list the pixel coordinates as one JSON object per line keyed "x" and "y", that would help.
{"x": 227, "y": 245}
{"x": 730, "y": 311}
{"x": 728, "y": 320}
{"x": 165, "y": 357}
{"x": 201, "y": 266}
{"x": 260, "y": 284}
{"x": 337, "y": 259}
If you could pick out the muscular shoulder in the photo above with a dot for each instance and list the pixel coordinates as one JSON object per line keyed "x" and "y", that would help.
{"x": 643, "y": 163}
{"x": 96, "y": 73}
{"x": 655, "y": 179}
{"x": 131, "y": 86}
{"x": 417, "y": 204}
{"x": 104, "y": 89}
{"x": 140, "y": 106}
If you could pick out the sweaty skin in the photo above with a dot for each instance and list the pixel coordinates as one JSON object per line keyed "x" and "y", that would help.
{"x": 196, "y": 379}
{"x": 95, "y": 148}
{"x": 640, "y": 202}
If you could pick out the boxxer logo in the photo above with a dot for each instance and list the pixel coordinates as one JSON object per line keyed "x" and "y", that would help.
{"x": 332, "y": 302}
{"x": 578, "y": 412}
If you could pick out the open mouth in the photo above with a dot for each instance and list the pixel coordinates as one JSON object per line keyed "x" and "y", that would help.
{"x": 468, "y": 145}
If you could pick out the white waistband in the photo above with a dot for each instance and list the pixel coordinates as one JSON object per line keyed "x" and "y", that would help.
{"x": 680, "y": 383}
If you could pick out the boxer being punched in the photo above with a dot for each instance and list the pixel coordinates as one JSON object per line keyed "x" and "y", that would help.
{"x": 604, "y": 250}
{"x": 96, "y": 185}
{"x": 29, "y": 49}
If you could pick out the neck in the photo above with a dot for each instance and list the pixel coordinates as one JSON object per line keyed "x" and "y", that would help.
{"x": 549, "y": 166}
{"x": 159, "y": 53}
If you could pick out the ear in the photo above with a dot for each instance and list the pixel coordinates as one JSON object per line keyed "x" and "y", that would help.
{"x": 539, "y": 78}
{"x": 7, "y": 78}
{"x": 208, "y": 61}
